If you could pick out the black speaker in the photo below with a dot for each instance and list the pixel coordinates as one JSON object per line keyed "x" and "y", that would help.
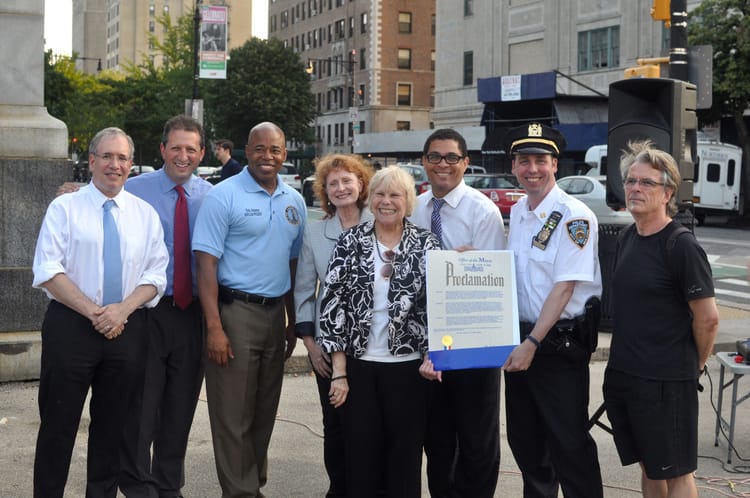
{"x": 661, "y": 110}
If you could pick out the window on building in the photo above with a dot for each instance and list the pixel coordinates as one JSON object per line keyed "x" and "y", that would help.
{"x": 433, "y": 25}
{"x": 432, "y": 96}
{"x": 404, "y": 22}
{"x": 362, "y": 63}
{"x": 351, "y": 27}
{"x": 362, "y": 127}
{"x": 468, "y": 8}
{"x": 432, "y": 60}
{"x": 363, "y": 22}
{"x": 404, "y": 58}
{"x": 151, "y": 10}
{"x": 403, "y": 94}
{"x": 468, "y": 68}
{"x": 339, "y": 3}
{"x": 361, "y": 94}
{"x": 328, "y": 135}
{"x": 284, "y": 19}
{"x": 403, "y": 125}
{"x": 599, "y": 48}
{"x": 151, "y": 26}
{"x": 340, "y": 29}
{"x": 166, "y": 9}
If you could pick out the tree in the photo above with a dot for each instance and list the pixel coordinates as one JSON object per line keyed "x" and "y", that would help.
{"x": 265, "y": 82}
{"x": 725, "y": 24}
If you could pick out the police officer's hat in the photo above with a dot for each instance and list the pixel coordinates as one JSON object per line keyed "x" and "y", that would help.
{"x": 534, "y": 138}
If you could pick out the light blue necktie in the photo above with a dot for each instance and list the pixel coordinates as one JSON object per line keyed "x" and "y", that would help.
{"x": 112, "y": 288}
{"x": 436, "y": 224}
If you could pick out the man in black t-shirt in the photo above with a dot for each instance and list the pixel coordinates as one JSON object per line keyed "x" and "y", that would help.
{"x": 665, "y": 323}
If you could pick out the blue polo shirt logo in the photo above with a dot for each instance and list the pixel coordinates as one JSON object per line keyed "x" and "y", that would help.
{"x": 292, "y": 215}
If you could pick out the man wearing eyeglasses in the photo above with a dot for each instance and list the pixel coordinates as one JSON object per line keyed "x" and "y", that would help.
{"x": 463, "y": 424}
{"x": 101, "y": 259}
{"x": 555, "y": 244}
{"x": 665, "y": 324}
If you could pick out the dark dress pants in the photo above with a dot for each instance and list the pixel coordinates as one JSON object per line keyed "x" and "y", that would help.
{"x": 75, "y": 357}
{"x": 334, "y": 457}
{"x": 384, "y": 420}
{"x": 548, "y": 433}
{"x": 462, "y": 443}
{"x": 163, "y": 407}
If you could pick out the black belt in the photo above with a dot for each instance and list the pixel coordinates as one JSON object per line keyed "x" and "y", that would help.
{"x": 227, "y": 295}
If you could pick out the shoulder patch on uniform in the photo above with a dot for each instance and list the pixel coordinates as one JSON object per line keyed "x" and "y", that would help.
{"x": 292, "y": 215}
{"x": 579, "y": 231}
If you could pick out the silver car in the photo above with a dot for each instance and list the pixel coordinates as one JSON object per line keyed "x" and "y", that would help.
{"x": 592, "y": 191}
{"x": 290, "y": 176}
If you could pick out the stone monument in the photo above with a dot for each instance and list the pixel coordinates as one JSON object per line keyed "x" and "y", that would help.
{"x": 33, "y": 162}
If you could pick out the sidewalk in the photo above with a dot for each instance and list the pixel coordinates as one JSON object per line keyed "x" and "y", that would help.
{"x": 295, "y": 461}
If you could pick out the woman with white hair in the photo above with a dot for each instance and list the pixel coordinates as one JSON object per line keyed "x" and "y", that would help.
{"x": 374, "y": 324}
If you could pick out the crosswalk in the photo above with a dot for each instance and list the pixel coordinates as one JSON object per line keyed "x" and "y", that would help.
{"x": 733, "y": 289}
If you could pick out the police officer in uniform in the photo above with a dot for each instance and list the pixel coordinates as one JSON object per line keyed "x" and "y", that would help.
{"x": 554, "y": 240}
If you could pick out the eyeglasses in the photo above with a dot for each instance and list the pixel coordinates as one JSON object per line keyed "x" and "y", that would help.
{"x": 108, "y": 158}
{"x": 387, "y": 258}
{"x": 435, "y": 158}
{"x": 643, "y": 182}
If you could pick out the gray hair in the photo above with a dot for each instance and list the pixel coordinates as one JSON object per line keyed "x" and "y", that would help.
{"x": 644, "y": 152}
{"x": 110, "y": 132}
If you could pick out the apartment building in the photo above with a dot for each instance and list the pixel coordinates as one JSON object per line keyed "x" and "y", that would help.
{"x": 371, "y": 64}
{"x": 110, "y": 33}
{"x": 503, "y": 63}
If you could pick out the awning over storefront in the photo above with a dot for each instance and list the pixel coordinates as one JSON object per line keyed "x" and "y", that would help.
{"x": 532, "y": 97}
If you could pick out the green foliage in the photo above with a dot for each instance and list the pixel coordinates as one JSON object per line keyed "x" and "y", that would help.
{"x": 725, "y": 24}
{"x": 265, "y": 82}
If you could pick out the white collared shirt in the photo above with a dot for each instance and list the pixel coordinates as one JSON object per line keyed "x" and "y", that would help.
{"x": 71, "y": 242}
{"x": 468, "y": 218}
{"x": 562, "y": 260}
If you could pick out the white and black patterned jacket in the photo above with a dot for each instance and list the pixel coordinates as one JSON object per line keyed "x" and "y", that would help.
{"x": 346, "y": 307}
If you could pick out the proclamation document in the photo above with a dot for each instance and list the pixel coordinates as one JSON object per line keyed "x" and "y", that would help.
{"x": 472, "y": 308}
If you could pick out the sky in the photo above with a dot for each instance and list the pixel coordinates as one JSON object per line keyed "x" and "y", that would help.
{"x": 58, "y": 23}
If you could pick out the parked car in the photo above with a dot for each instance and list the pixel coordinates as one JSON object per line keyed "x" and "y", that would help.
{"x": 592, "y": 191}
{"x": 472, "y": 169}
{"x": 290, "y": 176}
{"x": 421, "y": 182}
{"x": 207, "y": 171}
{"x": 501, "y": 188}
{"x": 136, "y": 170}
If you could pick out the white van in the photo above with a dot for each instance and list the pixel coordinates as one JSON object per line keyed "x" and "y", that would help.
{"x": 717, "y": 188}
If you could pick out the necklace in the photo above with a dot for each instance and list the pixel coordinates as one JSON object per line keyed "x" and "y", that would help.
{"x": 387, "y": 269}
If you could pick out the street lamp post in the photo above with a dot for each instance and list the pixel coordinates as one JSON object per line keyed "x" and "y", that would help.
{"x": 97, "y": 59}
{"x": 353, "y": 96}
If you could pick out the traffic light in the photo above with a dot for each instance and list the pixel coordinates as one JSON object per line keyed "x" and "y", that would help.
{"x": 660, "y": 10}
{"x": 644, "y": 71}
{"x": 661, "y": 110}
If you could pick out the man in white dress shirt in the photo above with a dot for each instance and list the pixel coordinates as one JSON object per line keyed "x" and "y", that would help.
{"x": 93, "y": 334}
{"x": 463, "y": 429}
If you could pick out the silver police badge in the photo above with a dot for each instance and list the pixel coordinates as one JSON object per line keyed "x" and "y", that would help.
{"x": 579, "y": 230}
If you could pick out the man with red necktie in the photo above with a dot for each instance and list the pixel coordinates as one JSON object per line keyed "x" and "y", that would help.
{"x": 174, "y": 366}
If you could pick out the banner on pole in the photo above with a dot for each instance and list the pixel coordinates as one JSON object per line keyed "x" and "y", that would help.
{"x": 213, "y": 53}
